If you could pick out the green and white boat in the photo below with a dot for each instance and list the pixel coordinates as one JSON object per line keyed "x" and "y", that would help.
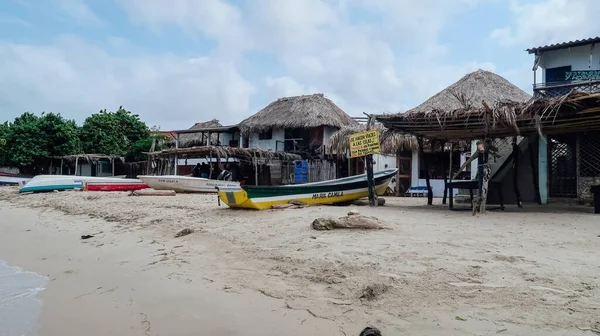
{"x": 324, "y": 192}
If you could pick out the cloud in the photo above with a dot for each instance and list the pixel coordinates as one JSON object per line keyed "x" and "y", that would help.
{"x": 79, "y": 11}
{"x": 217, "y": 20}
{"x": 368, "y": 56}
{"x": 551, "y": 21}
{"x": 76, "y": 78}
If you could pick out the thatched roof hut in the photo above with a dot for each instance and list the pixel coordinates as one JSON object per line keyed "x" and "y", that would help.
{"x": 469, "y": 92}
{"x": 457, "y": 112}
{"x": 199, "y": 139}
{"x": 306, "y": 111}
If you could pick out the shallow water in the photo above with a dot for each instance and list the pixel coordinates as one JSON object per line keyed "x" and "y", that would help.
{"x": 20, "y": 307}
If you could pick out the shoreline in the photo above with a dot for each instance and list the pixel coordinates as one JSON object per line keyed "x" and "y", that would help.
{"x": 434, "y": 272}
{"x": 93, "y": 289}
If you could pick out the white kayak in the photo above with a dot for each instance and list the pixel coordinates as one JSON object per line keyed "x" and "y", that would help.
{"x": 186, "y": 184}
{"x": 64, "y": 182}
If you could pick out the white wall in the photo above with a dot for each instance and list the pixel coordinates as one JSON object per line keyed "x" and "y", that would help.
{"x": 577, "y": 57}
{"x": 381, "y": 160}
{"x": 414, "y": 170}
{"x": 278, "y": 135}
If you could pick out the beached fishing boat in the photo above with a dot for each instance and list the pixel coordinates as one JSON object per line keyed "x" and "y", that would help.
{"x": 121, "y": 185}
{"x": 186, "y": 184}
{"x": 13, "y": 179}
{"x": 324, "y": 192}
{"x": 62, "y": 182}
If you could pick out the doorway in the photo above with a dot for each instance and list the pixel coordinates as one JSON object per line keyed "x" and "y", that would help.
{"x": 562, "y": 170}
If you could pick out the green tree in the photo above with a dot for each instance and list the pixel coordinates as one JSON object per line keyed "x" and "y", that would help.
{"x": 31, "y": 139}
{"x": 23, "y": 141}
{"x": 112, "y": 133}
{"x": 4, "y": 129}
{"x": 61, "y": 136}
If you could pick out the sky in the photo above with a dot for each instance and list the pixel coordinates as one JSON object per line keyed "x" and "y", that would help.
{"x": 178, "y": 62}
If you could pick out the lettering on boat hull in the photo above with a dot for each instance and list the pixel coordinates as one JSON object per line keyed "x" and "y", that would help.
{"x": 328, "y": 195}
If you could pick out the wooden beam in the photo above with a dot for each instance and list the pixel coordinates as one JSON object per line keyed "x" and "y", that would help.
{"x": 543, "y": 169}
{"x": 516, "y": 154}
{"x": 426, "y": 166}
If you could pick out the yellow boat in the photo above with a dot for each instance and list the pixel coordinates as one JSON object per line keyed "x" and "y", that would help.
{"x": 324, "y": 192}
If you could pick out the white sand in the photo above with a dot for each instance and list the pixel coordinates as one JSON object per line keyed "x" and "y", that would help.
{"x": 268, "y": 273}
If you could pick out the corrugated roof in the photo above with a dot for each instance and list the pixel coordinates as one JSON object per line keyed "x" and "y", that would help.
{"x": 564, "y": 45}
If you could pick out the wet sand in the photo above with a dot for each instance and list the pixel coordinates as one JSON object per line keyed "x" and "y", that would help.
{"x": 268, "y": 273}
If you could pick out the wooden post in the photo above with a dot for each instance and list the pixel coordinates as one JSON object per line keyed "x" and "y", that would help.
{"x": 450, "y": 190}
{"x": 486, "y": 178}
{"x": 516, "y": 152}
{"x": 255, "y": 171}
{"x": 445, "y": 172}
{"x": 481, "y": 151}
{"x": 534, "y": 171}
{"x": 370, "y": 179}
{"x": 76, "y": 162}
{"x": 398, "y": 163}
{"x": 176, "y": 156}
{"x": 485, "y": 167}
{"x": 61, "y": 166}
{"x": 426, "y": 166}
{"x": 543, "y": 169}
{"x": 210, "y": 163}
{"x": 112, "y": 161}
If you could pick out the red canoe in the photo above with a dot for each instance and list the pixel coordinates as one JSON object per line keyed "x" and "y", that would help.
{"x": 115, "y": 186}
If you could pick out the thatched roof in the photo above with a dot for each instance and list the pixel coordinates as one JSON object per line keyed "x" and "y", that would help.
{"x": 88, "y": 157}
{"x": 391, "y": 142}
{"x": 297, "y": 112}
{"x": 458, "y": 112}
{"x": 225, "y": 152}
{"x": 574, "y": 112}
{"x": 469, "y": 92}
{"x": 198, "y": 139}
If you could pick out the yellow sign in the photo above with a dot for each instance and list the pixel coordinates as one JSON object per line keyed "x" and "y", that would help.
{"x": 364, "y": 143}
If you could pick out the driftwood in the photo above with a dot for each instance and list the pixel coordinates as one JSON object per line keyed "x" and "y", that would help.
{"x": 361, "y": 202}
{"x": 152, "y": 192}
{"x": 352, "y": 221}
{"x": 293, "y": 204}
{"x": 184, "y": 232}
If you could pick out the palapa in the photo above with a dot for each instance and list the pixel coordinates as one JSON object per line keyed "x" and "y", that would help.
{"x": 457, "y": 112}
{"x": 306, "y": 111}
{"x": 224, "y": 152}
{"x": 200, "y": 139}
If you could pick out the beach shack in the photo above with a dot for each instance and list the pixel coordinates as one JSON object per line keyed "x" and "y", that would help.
{"x": 209, "y": 133}
{"x": 251, "y": 165}
{"x": 491, "y": 111}
{"x": 99, "y": 165}
{"x": 299, "y": 125}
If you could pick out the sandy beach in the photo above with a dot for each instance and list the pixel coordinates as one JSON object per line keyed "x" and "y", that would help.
{"x": 436, "y": 272}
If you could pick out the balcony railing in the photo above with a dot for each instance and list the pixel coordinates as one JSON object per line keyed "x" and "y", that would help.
{"x": 564, "y": 87}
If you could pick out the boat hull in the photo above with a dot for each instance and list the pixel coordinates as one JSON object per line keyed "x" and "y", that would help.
{"x": 119, "y": 186}
{"x": 325, "y": 192}
{"x": 41, "y": 183}
{"x": 186, "y": 184}
{"x": 13, "y": 179}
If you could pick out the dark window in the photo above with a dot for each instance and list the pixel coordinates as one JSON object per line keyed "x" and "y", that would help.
{"x": 438, "y": 164}
{"x": 557, "y": 74}
{"x": 265, "y": 135}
